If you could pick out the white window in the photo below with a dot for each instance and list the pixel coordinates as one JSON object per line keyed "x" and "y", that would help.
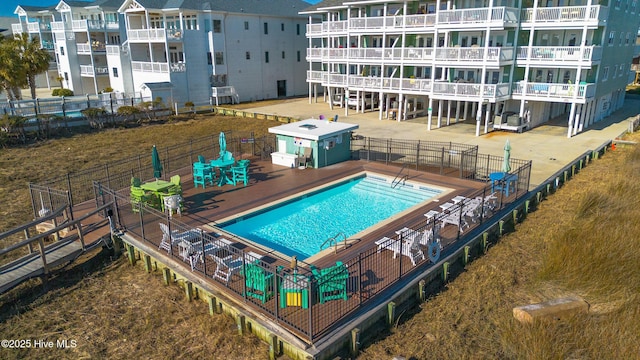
{"x": 246, "y": 25}
{"x": 628, "y": 39}
{"x": 612, "y": 37}
{"x": 217, "y": 26}
{"x": 219, "y": 58}
{"x": 615, "y": 72}
{"x": 190, "y": 22}
{"x": 605, "y": 74}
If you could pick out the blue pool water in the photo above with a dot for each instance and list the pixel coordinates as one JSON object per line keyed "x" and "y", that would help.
{"x": 299, "y": 227}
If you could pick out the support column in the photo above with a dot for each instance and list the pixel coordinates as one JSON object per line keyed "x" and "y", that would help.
{"x": 572, "y": 113}
{"x": 330, "y": 89}
{"x": 581, "y": 109}
{"x": 439, "y": 113}
{"x": 400, "y": 113}
{"x": 478, "y": 118}
{"x": 466, "y": 111}
{"x": 448, "y": 112}
{"x": 487, "y": 117}
{"x": 311, "y": 85}
{"x": 429, "y": 113}
{"x": 457, "y": 111}
{"x": 380, "y": 106}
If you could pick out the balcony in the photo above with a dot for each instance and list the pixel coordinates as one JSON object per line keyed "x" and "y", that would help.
{"x": 565, "y": 16}
{"x": 17, "y": 29}
{"x": 37, "y": 27}
{"x": 91, "y": 71}
{"x": 559, "y": 92}
{"x": 57, "y": 26}
{"x": 88, "y": 48}
{"x": 113, "y": 50}
{"x": 492, "y": 56}
{"x": 471, "y": 92}
{"x": 150, "y": 67}
{"x": 48, "y": 45}
{"x": 147, "y": 35}
{"x": 558, "y": 55}
{"x": 370, "y": 55}
{"x": 178, "y": 67}
{"x": 174, "y": 34}
{"x": 498, "y": 17}
{"x": 86, "y": 24}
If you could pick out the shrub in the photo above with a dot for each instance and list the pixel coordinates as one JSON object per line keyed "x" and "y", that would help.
{"x": 61, "y": 92}
{"x": 189, "y": 104}
{"x": 96, "y": 117}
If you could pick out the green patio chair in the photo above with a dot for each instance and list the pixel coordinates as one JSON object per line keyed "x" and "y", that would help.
{"x": 138, "y": 196}
{"x": 331, "y": 282}
{"x": 258, "y": 281}
{"x": 202, "y": 173}
{"x": 135, "y": 182}
{"x": 240, "y": 173}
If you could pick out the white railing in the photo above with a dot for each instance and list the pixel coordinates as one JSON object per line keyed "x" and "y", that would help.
{"x": 146, "y": 35}
{"x": 152, "y": 67}
{"x": 174, "y": 34}
{"x": 16, "y": 28}
{"x": 498, "y": 15}
{"x": 474, "y": 54}
{"x": 178, "y": 67}
{"x": 84, "y": 48}
{"x": 57, "y": 26}
{"x": 35, "y": 27}
{"x": 101, "y": 70}
{"x": 86, "y": 70}
{"x": 223, "y": 91}
{"x": 560, "y": 54}
{"x": 113, "y": 50}
{"x": 565, "y": 14}
{"x": 315, "y": 76}
{"x": 554, "y": 90}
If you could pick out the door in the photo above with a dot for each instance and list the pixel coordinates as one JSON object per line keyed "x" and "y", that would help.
{"x": 282, "y": 88}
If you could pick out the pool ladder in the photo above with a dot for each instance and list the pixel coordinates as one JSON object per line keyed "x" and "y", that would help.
{"x": 400, "y": 178}
{"x": 334, "y": 241}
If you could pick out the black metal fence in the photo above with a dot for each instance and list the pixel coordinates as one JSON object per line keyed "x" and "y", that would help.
{"x": 117, "y": 174}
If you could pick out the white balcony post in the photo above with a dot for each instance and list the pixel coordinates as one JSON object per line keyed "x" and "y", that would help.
{"x": 478, "y": 118}
{"x": 429, "y": 113}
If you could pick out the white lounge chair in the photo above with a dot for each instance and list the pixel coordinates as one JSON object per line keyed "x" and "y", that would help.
{"x": 170, "y": 239}
{"x": 455, "y": 218}
{"x": 227, "y": 267}
{"x": 409, "y": 248}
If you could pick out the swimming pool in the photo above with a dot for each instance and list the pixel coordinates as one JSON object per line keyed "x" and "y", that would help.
{"x": 301, "y": 225}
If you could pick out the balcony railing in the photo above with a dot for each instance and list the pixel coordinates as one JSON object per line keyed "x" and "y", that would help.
{"x": 36, "y": 27}
{"x": 113, "y": 50}
{"x": 498, "y": 16}
{"x": 84, "y": 48}
{"x": 565, "y": 14}
{"x": 147, "y": 35}
{"x": 178, "y": 67}
{"x": 554, "y": 90}
{"x": 57, "y": 26}
{"x": 479, "y": 91}
{"x": 151, "y": 67}
{"x": 88, "y": 70}
{"x": 17, "y": 28}
{"x": 474, "y": 54}
{"x": 174, "y": 34}
{"x": 559, "y": 54}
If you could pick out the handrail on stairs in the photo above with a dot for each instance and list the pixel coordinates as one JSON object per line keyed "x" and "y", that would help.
{"x": 400, "y": 177}
{"x": 333, "y": 240}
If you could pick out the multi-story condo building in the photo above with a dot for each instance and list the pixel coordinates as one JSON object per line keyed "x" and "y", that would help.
{"x": 509, "y": 64}
{"x": 36, "y": 21}
{"x": 218, "y": 48}
{"x": 181, "y": 51}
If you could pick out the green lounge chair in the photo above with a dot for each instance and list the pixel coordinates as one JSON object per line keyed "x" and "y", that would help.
{"x": 258, "y": 281}
{"x": 331, "y": 282}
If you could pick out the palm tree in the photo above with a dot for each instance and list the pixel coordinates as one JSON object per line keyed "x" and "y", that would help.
{"x": 12, "y": 72}
{"x": 34, "y": 58}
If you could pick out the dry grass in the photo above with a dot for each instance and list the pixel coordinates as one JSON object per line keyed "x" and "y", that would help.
{"x": 582, "y": 241}
{"x": 111, "y": 309}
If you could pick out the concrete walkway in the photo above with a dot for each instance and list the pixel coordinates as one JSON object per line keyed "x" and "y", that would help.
{"x": 547, "y": 146}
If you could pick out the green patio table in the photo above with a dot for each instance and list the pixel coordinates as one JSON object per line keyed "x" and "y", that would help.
{"x": 158, "y": 187}
{"x": 223, "y": 166}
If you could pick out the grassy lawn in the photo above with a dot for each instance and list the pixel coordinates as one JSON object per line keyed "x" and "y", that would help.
{"x": 582, "y": 241}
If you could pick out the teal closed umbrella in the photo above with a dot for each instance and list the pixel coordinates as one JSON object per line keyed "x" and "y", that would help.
{"x": 506, "y": 166}
{"x": 223, "y": 144}
{"x": 156, "y": 163}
